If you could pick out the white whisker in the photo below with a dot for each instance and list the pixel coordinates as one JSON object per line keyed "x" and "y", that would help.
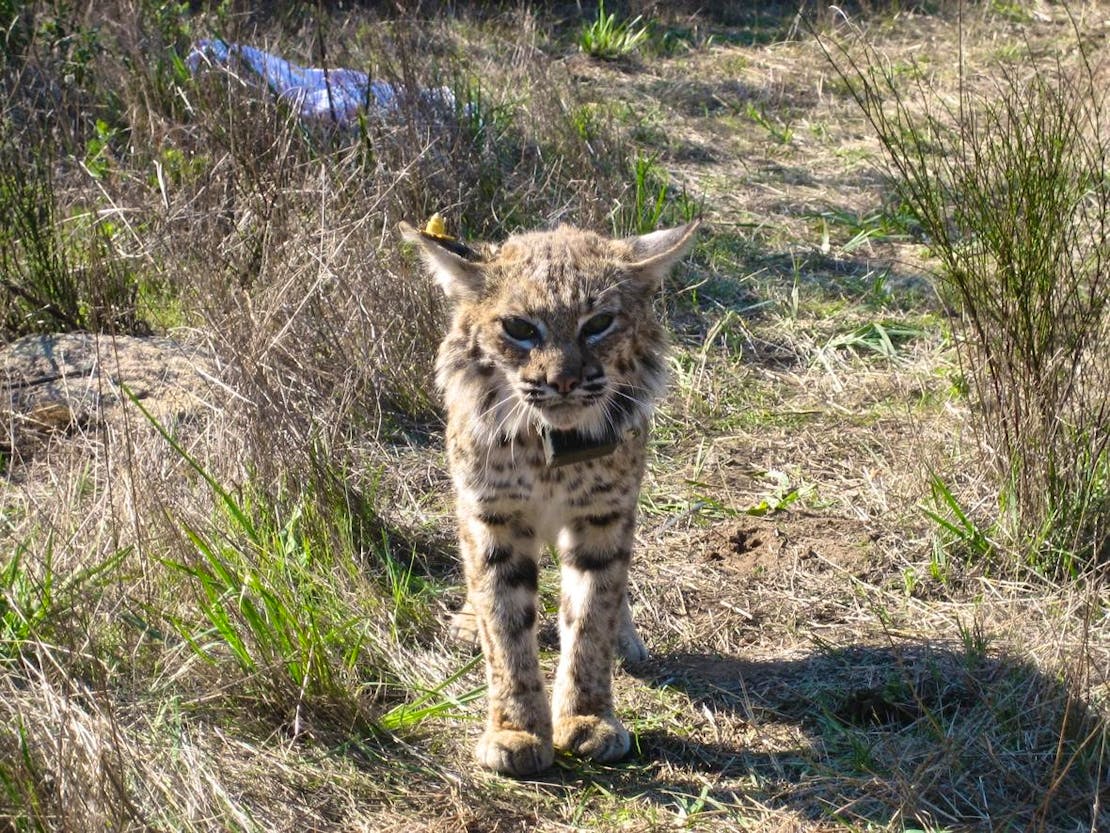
{"x": 494, "y": 406}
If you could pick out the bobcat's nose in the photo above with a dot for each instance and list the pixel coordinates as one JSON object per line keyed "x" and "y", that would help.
{"x": 564, "y": 382}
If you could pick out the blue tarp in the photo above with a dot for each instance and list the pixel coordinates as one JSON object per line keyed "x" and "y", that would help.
{"x": 321, "y": 95}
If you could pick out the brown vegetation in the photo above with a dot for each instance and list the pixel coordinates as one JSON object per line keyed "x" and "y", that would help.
{"x": 230, "y": 615}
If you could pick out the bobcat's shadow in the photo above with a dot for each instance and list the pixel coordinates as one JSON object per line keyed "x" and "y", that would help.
{"x": 914, "y": 733}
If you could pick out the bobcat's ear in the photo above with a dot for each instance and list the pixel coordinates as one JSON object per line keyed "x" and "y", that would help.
{"x": 655, "y": 254}
{"x": 451, "y": 263}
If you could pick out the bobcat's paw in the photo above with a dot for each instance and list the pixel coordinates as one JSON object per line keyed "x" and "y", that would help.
{"x": 512, "y": 752}
{"x": 463, "y": 628}
{"x": 630, "y": 648}
{"x": 588, "y": 736}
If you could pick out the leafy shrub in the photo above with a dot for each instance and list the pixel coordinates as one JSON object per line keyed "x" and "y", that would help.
{"x": 1010, "y": 189}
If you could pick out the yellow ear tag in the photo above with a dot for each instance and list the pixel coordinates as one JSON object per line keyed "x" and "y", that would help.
{"x": 436, "y": 227}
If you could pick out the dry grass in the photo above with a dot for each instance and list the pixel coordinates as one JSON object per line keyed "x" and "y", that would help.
{"x": 824, "y": 658}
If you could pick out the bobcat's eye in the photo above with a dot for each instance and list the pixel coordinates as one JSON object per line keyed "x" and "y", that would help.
{"x": 521, "y": 331}
{"x": 597, "y": 325}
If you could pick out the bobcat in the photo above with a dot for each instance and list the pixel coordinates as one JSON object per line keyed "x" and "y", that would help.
{"x": 549, "y": 372}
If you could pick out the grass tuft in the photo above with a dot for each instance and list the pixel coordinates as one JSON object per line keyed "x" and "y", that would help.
{"x": 609, "y": 38}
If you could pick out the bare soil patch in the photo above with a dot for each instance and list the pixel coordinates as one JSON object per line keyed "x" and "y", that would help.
{"x": 754, "y": 546}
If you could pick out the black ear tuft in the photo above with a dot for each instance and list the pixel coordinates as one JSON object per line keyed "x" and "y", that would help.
{"x": 453, "y": 264}
{"x": 452, "y": 245}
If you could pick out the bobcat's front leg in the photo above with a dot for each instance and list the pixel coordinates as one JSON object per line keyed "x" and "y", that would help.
{"x": 463, "y": 629}
{"x": 501, "y": 566}
{"x": 594, "y": 552}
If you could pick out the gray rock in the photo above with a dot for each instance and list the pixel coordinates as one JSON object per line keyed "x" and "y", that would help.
{"x": 61, "y": 385}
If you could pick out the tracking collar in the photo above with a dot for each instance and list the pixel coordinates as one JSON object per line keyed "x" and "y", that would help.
{"x": 561, "y": 448}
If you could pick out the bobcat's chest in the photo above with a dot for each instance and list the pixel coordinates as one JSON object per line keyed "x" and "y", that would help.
{"x": 515, "y": 479}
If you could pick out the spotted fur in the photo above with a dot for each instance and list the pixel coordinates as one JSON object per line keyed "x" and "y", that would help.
{"x": 552, "y": 330}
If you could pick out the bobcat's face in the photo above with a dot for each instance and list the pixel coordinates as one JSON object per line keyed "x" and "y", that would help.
{"x": 571, "y": 347}
{"x": 555, "y": 329}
